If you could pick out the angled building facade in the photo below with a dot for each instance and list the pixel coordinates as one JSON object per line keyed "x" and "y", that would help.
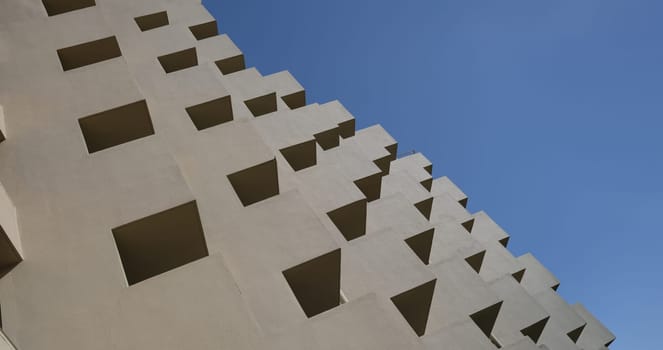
{"x": 157, "y": 194}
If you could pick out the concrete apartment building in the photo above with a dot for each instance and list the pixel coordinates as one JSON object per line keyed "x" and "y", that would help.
{"x": 157, "y": 194}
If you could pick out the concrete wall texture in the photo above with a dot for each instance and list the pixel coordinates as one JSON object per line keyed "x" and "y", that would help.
{"x": 157, "y": 194}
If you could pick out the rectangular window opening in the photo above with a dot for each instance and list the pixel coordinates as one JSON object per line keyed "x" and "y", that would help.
{"x": 151, "y": 21}
{"x": 317, "y": 283}
{"x": 89, "y": 53}
{"x": 204, "y": 30}
{"x": 56, "y": 7}
{"x": 179, "y": 60}
{"x": 211, "y": 113}
{"x": 116, "y": 126}
{"x": 160, "y": 242}
{"x": 256, "y": 183}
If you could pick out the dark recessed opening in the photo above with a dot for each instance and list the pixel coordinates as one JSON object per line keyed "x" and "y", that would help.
{"x": 518, "y": 275}
{"x": 414, "y": 305}
{"x": 504, "y": 241}
{"x": 534, "y": 331}
{"x": 300, "y": 156}
{"x": 370, "y": 186}
{"x": 555, "y": 287}
{"x": 316, "y": 283}
{"x": 485, "y": 319}
{"x": 475, "y": 261}
{"x": 262, "y": 105}
{"x": 116, "y": 126}
{"x": 89, "y": 53}
{"x": 428, "y": 184}
{"x": 575, "y": 334}
{"x": 350, "y": 219}
{"x": 347, "y": 128}
{"x": 211, "y": 113}
{"x": 468, "y": 225}
{"x": 429, "y": 169}
{"x": 384, "y": 164}
{"x": 204, "y": 30}
{"x": 160, "y": 242}
{"x": 179, "y": 60}
{"x": 425, "y": 207}
{"x": 56, "y": 7}
{"x": 231, "y": 64}
{"x": 2, "y": 136}
{"x": 327, "y": 139}
{"x": 151, "y": 21}
{"x": 392, "y": 149}
{"x": 463, "y": 202}
{"x": 421, "y": 244}
{"x": 9, "y": 256}
{"x": 295, "y": 100}
{"x": 256, "y": 183}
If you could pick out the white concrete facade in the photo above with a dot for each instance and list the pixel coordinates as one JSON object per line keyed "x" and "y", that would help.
{"x": 157, "y": 194}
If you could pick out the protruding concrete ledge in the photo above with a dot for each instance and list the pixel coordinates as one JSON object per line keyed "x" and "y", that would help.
{"x": 301, "y": 156}
{"x": 316, "y": 283}
{"x": 179, "y": 60}
{"x": 421, "y": 244}
{"x": 9, "y": 256}
{"x": 89, "y": 53}
{"x": 328, "y": 139}
{"x": 370, "y": 186}
{"x": 56, "y": 7}
{"x": 595, "y": 334}
{"x": 160, "y": 242}
{"x": 534, "y": 331}
{"x": 211, "y": 113}
{"x": 256, "y": 183}
{"x": 350, "y": 219}
{"x": 445, "y": 185}
{"x": 485, "y": 319}
{"x": 414, "y": 305}
{"x": 475, "y": 261}
{"x": 425, "y": 207}
{"x": 116, "y": 126}
{"x": 538, "y": 278}
{"x": 295, "y": 100}
{"x": 518, "y": 275}
{"x": 151, "y": 21}
{"x": 262, "y": 105}
{"x": 204, "y": 30}
{"x": 575, "y": 334}
{"x": 231, "y": 64}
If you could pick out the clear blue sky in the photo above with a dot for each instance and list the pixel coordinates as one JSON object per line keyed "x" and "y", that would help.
{"x": 548, "y": 114}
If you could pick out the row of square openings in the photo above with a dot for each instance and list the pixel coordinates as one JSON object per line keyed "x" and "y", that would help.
{"x": 316, "y": 286}
{"x": 100, "y": 50}
{"x": 146, "y": 22}
{"x": 172, "y": 238}
{"x": 132, "y": 121}
{"x": 104, "y": 49}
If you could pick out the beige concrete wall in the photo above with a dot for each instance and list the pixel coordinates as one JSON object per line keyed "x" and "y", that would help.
{"x": 158, "y": 194}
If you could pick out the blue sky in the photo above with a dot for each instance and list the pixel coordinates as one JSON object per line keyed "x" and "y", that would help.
{"x": 548, "y": 114}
